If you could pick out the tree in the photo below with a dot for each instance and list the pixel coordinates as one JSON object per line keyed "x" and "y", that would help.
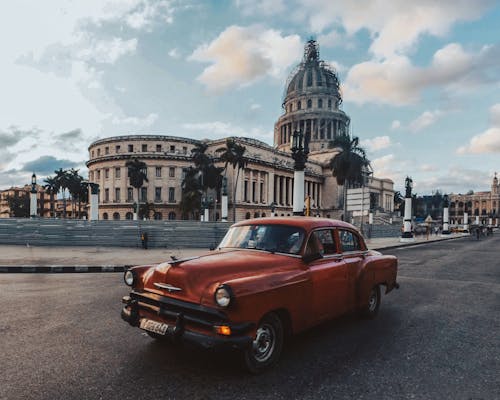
{"x": 137, "y": 175}
{"x": 233, "y": 154}
{"x": 398, "y": 201}
{"x": 145, "y": 210}
{"x": 19, "y": 205}
{"x": 191, "y": 192}
{"x": 77, "y": 189}
{"x": 350, "y": 164}
{"x": 52, "y": 187}
{"x": 198, "y": 179}
{"x": 62, "y": 181}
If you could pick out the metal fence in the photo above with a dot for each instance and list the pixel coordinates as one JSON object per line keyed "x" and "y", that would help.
{"x": 160, "y": 234}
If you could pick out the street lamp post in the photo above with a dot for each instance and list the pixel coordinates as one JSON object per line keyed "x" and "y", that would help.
{"x": 33, "y": 196}
{"x": 224, "y": 203}
{"x": 446, "y": 215}
{"x": 407, "y": 235}
{"x": 300, "y": 151}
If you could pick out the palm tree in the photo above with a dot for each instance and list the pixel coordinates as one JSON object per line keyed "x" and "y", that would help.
{"x": 51, "y": 186}
{"x": 233, "y": 153}
{"x": 350, "y": 164}
{"x": 137, "y": 175}
{"x": 62, "y": 179}
{"x": 75, "y": 182}
{"x": 205, "y": 170}
{"x": 191, "y": 192}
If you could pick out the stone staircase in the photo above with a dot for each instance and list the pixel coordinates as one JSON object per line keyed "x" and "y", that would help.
{"x": 161, "y": 234}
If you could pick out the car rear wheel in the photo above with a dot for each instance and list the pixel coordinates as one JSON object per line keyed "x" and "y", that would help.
{"x": 371, "y": 308}
{"x": 267, "y": 345}
{"x": 157, "y": 336}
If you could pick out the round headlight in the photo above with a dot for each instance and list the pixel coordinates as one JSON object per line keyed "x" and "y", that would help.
{"x": 223, "y": 296}
{"x": 128, "y": 277}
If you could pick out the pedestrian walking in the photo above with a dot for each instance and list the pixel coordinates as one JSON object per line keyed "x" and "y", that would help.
{"x": 144, "y": 240}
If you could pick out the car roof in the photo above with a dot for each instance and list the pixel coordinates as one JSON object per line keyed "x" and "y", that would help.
{"x": 307, "y": 223}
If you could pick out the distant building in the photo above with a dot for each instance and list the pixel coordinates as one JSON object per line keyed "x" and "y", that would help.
{"x": 47, "y": 207}
{"x": 311, "y": 104}
{"x": 484, "y": 205}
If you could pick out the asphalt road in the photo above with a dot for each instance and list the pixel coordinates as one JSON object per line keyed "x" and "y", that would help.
{"x": 61, "y": 337}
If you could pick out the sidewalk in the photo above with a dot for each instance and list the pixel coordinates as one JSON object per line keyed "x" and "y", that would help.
{"x": 116, "y": 259}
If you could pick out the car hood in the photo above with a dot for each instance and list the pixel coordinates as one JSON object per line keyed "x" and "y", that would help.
{"x": 189, "y": 279}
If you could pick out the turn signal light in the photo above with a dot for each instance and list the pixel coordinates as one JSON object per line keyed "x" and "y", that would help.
{"x": 223, "y": 330}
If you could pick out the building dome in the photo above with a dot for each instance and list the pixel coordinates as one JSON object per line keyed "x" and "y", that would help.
{"x": 313, "y": 76}
{"x": 311, "y": 102}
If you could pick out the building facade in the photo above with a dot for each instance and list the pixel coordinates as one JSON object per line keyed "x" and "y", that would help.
{"x": 483, "y": 205}
{"x": 47, "y": 206}
{"x": 311, "y": 104}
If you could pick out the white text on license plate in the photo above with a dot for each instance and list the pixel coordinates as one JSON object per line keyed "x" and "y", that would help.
{"x": 154, "y": 326}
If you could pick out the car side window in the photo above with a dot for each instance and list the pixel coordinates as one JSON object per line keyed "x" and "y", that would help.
{"x": 349, "y": 241}
{"x": 321, "y": 241}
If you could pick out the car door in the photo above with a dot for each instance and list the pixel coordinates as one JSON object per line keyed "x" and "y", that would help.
{"x": 353, "y": 254}
{"x": 328, "y": 276}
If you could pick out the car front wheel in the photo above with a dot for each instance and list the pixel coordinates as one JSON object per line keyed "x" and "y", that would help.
{"x": 371, "y": 309}
{"x": 266, "y": 346}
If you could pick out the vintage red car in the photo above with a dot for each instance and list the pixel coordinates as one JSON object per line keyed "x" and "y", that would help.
{"x": 269, "y": 278}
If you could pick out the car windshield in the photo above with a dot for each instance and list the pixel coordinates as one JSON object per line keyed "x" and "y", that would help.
{"x": 273, "y": 238}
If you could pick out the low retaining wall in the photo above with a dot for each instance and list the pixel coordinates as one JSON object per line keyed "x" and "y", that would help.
{"x": 161, "y": 234}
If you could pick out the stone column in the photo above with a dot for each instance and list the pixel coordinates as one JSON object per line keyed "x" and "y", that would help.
{"x": 94, "y": 202}
{"x": 298, "y": 192}
{"x": 407, "y": 235}
{"x": 466, "y": 222}
{"x": 224, "y": 203}
{"x": 33, "y": 213}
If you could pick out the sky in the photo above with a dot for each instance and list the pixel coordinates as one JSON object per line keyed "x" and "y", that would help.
{"x": 420, "y": 79}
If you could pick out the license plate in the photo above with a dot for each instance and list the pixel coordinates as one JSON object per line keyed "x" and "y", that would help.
{"x": 153, "y": 326}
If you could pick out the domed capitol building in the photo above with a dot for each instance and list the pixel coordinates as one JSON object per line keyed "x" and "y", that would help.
{"x": 311, "y": 104}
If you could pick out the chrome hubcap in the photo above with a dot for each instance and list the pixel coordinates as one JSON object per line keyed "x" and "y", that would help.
{"x": 263, "y": 344}
{"x": 372, "y": 303}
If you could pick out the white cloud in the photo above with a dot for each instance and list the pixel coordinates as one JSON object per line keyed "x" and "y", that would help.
{"x": 396, "y": 124}
{"x": 377, "y": 143}
{"x": 428, "y": 168}
{"x": 488, "y": 141}
{"x": 218, "y": 129}
{"x": 241, "y": 55}
{"x": 396, "y": 81}
{"x": 426, "y": 119}
{"x": 107, "y": 51}
{"x": 395, "y": 26}
{"x": 174, "y": 53}
{"x": 264, "y": 7}
{"x": 134, "y": 122}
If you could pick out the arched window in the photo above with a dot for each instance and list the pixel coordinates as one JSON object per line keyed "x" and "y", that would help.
{"x": 171, "y": 215}
{"x": 299, "y": 105}
{"x": 256, "y": 215}
{"x": 329, "y": 103}
{"x": 129, "y": 216}
{"x": 158, "y": 216}
{"x": 105, "y": 216}
{"x": 309, "y": 103}
{"x": 247, "y": 215}
{"x": 263, "y": 215}
{"x": 320, "y": 103}
{"x": 116, "y": 216}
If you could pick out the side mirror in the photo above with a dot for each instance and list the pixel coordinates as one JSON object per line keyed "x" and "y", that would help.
{"x": 307, "y": 258}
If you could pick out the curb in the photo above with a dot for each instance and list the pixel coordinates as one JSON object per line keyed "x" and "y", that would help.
{"x": 411, "y": 244}
{"x": 61, "y": 268}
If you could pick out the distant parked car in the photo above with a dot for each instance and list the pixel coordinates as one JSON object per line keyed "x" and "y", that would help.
{"x": 269, "y": 278}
